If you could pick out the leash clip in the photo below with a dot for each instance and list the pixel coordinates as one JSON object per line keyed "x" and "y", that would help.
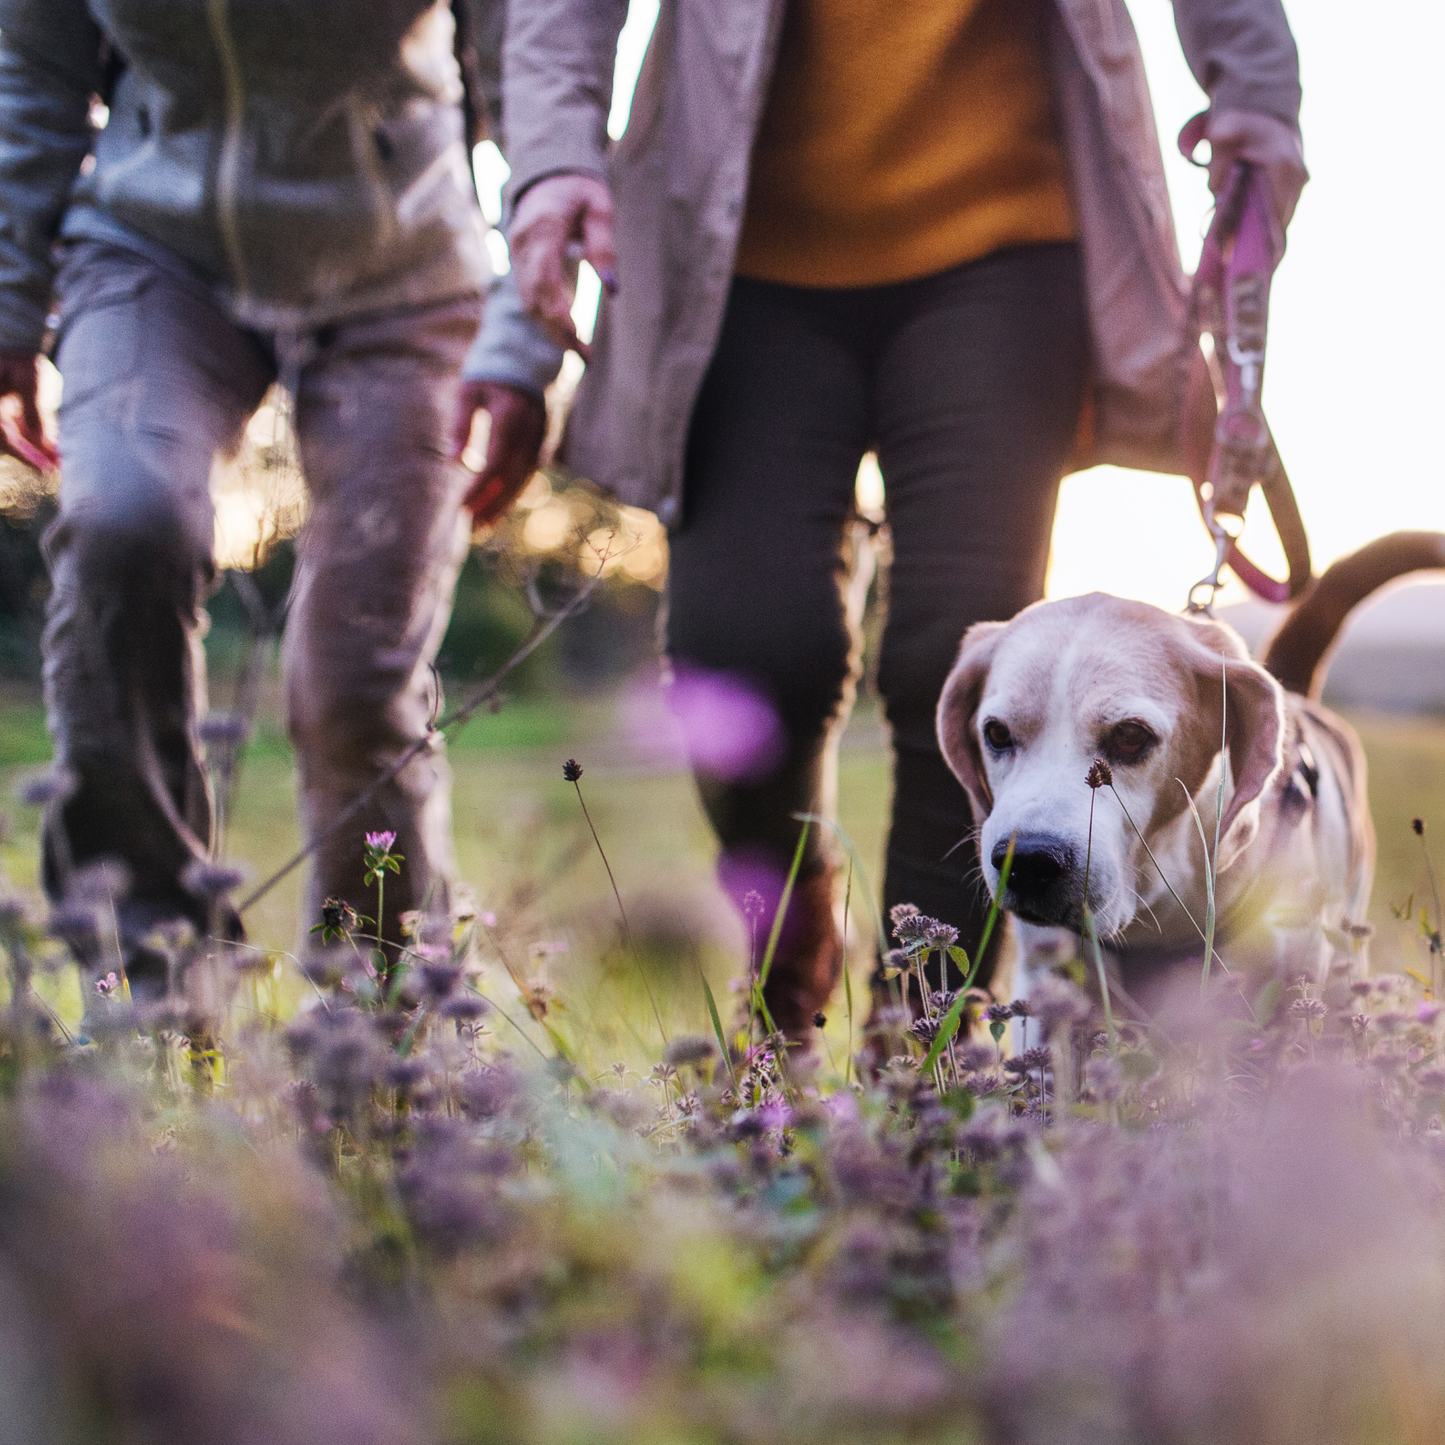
{"x": 1200, "y": 602}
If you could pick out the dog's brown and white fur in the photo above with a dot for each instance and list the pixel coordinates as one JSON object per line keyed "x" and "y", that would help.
{"x": 1172, "y": 704}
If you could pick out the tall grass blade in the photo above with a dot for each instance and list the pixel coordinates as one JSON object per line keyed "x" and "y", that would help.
{"x": 717, "y": 1027}
{"x": 616, "y": 893}
{"x": 777, "y": 929}
{"x": 991, "y": 921}
{"x": 1209, "y": 910}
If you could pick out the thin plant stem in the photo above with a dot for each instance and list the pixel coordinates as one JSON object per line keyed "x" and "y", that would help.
{"x": 484, "y": 692}
{"x": 943, "y": 986}
{"x": 950, "y": 1021}
{"x": 1209, "y": 906}
{"x": 616, "y": 893}
{"x": 515, "y": 1025}
{"x": 1163, "y": 878}
{"x": 847, "y": 980}
{"x": 1093, "y": 934}
{"x": 1419, "y": 828}
{"x": 384, "y": 971}
{"x": 1103, "y": 981}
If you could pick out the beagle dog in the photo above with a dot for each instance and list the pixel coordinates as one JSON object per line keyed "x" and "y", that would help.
{"x": 1128, "y": 755}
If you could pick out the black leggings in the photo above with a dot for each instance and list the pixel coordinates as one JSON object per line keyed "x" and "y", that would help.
{"x": 968, "y": 386}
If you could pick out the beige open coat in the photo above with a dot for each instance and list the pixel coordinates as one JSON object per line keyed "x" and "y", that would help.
{"x": 679, "y": 176}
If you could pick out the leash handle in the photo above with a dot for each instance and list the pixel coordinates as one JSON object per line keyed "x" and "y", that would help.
{"x": 1230, "y": 304}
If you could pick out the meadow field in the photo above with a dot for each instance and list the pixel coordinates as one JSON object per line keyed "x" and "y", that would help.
{"x": 495, "y": 1197}
{"x": 519, "y": 830}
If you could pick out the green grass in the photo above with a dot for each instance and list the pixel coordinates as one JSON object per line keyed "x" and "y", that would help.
{"x": 523, "y": 847}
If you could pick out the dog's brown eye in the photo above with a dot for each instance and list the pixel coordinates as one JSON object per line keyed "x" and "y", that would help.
{"x": 1129, "y": 742}
{"x": 997, "y": 736}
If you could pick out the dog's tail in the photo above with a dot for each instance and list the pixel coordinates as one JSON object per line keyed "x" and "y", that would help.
{"x": 1298, "y": 654}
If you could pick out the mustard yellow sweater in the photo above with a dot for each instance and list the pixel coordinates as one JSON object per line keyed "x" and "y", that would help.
{"x": 902, "y": 137}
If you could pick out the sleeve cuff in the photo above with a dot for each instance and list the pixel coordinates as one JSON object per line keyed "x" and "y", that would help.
{"x": 511, "y": 348}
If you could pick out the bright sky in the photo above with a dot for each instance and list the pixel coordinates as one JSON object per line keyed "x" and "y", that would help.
{"x": 1355, "y": 369}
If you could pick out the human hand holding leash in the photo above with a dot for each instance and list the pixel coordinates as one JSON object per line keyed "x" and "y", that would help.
{"x": 559, "y": 221}
{"x": 21, "y": 432}
{"x": 519, "y": 425}
{"x": 1264, "y": 141}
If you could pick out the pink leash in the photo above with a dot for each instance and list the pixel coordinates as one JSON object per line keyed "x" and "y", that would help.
{"x": 1230, "y": 304}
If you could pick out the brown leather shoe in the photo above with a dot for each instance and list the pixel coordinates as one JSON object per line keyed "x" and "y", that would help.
{"x": 808, "y": 962}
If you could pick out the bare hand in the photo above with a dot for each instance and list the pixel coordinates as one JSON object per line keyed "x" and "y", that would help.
{"x": 519, "y": 425}
{"x": 559, "y": 221}
{"x": 21, "y": 432}
{"x": 1264, "y": 141}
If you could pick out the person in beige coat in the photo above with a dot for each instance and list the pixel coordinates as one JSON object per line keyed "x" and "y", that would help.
{"x": 937, "y": 232}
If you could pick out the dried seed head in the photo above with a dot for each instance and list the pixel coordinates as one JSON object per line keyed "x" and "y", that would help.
{"x": 572, "y": 770}
{"x": 1101, "y": 775}
{"x": 914, "y": 927}
{"x": 820, "y": 1020}
{"x": 1417, "y": 826}
{"x": 337, "y": 914}
{"x": 924, "y": 1030}
{"x": 941, "y": 935}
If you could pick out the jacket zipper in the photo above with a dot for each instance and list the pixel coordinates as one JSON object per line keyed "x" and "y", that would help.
{"x": 228, "y": 167}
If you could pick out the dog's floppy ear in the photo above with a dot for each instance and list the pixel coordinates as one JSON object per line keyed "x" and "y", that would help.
{"x": 1254, "y": 727}
{"x": 957, "y": 707}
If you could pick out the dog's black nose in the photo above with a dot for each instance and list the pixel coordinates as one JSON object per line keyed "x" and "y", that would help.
{"x": 1040, "y": 863}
